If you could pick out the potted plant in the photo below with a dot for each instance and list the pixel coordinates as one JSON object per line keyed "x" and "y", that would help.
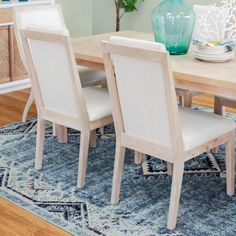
{"x": 122, "y": 7}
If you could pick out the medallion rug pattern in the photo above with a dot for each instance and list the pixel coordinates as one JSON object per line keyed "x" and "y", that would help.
{"x": 51, "y": 193}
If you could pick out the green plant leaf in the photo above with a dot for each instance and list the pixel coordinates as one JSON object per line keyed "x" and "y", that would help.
{"x": 128, "y": 5}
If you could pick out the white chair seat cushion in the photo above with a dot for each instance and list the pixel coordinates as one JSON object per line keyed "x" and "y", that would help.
{"x": 91, "y": 77}
{"x": 98, "y": 103}
{"x": 199, "y": 127}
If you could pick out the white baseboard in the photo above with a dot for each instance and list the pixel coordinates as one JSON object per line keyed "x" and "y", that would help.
{"x": 15, "y": 86}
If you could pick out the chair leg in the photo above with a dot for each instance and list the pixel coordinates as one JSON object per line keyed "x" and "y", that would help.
{"x": 27, "y": 106}
{"x": 175, "y": 194}
{"x": 118, "y": 170}
{"x": 83, "y": 158}
{"x": 230, "y": 166}
{"x": 186, "y": 100}
{"x": 93, "y": 137}
{"x": 40, "y": 144}
{"x": 138, "y": 157}
{"x": 61, "y": 133}
{"x": 169, "y": 168}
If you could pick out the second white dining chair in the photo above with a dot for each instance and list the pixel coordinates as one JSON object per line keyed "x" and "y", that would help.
{"x": 147, "y": 118}
{"x": 49, "y": 17}
{"x": 58, "y": 92}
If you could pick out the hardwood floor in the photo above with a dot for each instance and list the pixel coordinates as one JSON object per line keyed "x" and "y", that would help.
{"x": 12, "y": 106}
{"x": 13, "y": 219}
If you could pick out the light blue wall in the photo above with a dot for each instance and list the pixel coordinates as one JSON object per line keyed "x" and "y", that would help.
{"x": 86, "y": 17}
{"x": 104, "y": 15}
{"x": 78, "y": 15}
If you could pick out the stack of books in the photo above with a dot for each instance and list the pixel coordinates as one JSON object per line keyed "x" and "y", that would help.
{"x": 214, "y": 50}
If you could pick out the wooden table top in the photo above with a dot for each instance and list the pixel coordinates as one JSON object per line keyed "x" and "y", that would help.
{"x": 189, "y": 72}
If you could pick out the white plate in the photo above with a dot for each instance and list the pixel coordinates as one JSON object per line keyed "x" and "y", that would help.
{"x": 212, "y": 50}
{"x": 215, "y": 58}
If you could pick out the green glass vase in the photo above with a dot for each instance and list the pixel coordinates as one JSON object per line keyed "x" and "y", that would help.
{"x": 173, "y": 23}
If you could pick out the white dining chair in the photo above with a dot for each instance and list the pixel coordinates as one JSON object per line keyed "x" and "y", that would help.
{"x": 147, "y": 118}
{"x": 58, "y": 92}
{"x": 47, "y": 17}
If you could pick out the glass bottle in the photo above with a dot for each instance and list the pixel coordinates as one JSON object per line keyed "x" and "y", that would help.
{"x": 173, "y": 23}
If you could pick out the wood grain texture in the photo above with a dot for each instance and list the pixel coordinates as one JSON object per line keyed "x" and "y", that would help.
{"x": 4, "y": 55}
{"x": 11, "y": 43}
{"x": 11, "y": 66}
{"x": 14, "y": 222}
{"x": 6, "y": 15}
{"x": 189, "y": 73}
{"x": 5, "y": 71}
{"x": 12, "y": 106}
{"x": 19, "y": 69}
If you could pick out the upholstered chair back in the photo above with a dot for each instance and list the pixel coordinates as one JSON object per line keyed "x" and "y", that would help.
{"x": 145, "y": 88}
{"x": 56, "y": 84}
{"x": 42, "y": 17}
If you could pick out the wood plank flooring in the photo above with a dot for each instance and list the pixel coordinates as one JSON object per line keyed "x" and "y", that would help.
{"x": 12, "y": 106}
{"x": 13, "y": 219}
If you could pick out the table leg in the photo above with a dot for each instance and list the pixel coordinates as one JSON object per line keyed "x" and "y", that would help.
{"x": 61, "y": 133}
{"x": 219, "y": 110}
{"x": 138, "y": 157}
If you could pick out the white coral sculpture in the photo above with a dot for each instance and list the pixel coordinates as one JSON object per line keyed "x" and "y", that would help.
{"x": 217, "y": 22}
{"x": 230, "y": 7}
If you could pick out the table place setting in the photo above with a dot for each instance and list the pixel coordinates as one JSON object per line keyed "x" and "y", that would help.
{"x": 214, "y": 50}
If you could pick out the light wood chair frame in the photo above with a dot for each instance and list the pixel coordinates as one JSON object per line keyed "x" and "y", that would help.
{"x": 81, "y": 123}
{"x": 16, "y": 19}
{"x": 59, "y": 131}
{"x": 176, "y": 155}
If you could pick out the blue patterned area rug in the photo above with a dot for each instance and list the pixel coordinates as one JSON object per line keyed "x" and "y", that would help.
{"x": 51, "y": 193}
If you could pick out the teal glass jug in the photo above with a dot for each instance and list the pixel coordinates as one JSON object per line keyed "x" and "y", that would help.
{"x": 173, "y": 23}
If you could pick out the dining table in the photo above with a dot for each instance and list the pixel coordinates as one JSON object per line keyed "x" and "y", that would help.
{"x": 189, "y": 73}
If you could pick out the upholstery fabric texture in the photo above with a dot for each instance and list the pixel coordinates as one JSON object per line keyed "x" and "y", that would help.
{"x": 199, "y": 127}
{"x": 90, "y": 77}
{"x": 141, "y": 90}
{"x": 97, "y": 102}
